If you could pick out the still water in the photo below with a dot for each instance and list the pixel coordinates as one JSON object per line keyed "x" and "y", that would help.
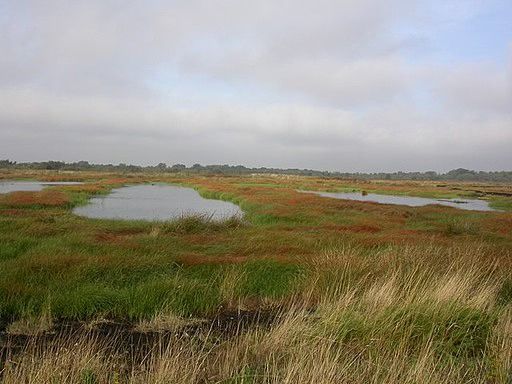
{"x": 156, "y": 202}
{"x": 469, "y": 204}
{"x": 30, "y": 186}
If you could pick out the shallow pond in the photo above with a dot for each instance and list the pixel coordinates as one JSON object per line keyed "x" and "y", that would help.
{"x": 30, "y": 186}
{"x": 157, "y": 202}
{"x": 469, "y": 204}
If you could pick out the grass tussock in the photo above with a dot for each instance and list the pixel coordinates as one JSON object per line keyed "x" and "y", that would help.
{"x": 31, "y": 325}
{"x": 199, "y": 224}
{"x": 457, "y": 226}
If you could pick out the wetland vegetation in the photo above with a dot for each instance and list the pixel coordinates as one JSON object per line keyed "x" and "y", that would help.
{"x": 301, "y": 289}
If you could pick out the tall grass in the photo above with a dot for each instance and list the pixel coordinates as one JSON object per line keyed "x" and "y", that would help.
{"x": 200, "y": 223}
{"x": 422, "y": 314}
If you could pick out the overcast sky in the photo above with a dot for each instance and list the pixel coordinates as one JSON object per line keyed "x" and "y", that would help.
{"x": 349, "y": 85}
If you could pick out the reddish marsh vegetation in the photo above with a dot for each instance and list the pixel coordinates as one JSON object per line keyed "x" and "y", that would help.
{"x": 42, "y": 198}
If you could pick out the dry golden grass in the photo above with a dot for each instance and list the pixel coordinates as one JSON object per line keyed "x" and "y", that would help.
{"x": 30, "y": 326}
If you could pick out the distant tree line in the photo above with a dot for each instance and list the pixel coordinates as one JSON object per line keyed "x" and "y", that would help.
{"x": 237, "y": 170}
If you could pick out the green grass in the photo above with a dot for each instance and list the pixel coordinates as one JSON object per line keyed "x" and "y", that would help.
{"x": 87, "y": 292}
{"x": 505, "y": 292}
{"x": 455, "y": 331}
{"x": 503, "y": 204}
{"x": 201, "y": 224}
{"x": 269, "y": 279}
{"x": 12, "y": 248}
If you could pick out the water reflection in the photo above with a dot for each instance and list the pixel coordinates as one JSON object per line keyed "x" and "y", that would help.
{"x": 469, "y": 204}
{"x": 30, "y": 186}
{"x": 157, "y": 203}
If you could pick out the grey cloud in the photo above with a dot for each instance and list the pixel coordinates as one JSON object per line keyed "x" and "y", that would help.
{"x": 476, "y": 88}
{"x": 77, "y": 81}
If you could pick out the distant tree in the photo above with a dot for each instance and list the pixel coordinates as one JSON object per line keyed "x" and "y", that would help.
{"x": 54, "y": 165}
{"x": 161, "y": 167}
{"x": 431, "y": 175}
{"x": 179, "y": 167}
{"x": 83, "y": 164}
{"x": 7, "y": 163}
{"x": 226, "y": 169}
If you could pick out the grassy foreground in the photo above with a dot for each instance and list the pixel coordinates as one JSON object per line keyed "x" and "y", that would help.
{"x": 356, "y": 292}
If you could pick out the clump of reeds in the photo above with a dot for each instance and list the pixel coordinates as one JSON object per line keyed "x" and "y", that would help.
{"x": 196, "y": 223}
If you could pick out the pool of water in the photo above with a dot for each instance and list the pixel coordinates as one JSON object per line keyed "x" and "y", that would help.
{"x": 30, "y": 186}
{"x": 469, "y": 204}
{"x": 156, "y": 202}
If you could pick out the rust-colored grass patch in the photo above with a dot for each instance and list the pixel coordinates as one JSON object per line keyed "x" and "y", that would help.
{"x": 205, "y": 239}
{"x": 501, "y": 224}
{"x": 358, "y": 228}
{"x": 197, "y": 259}
{"x": 47, "y": 198}
{"x": 118, "y": 236}
{"x": 13, "y": 212}
{"x": 118, "y": 181}
{"x": 87, "y": 188}
{"x": 51, "y": 263}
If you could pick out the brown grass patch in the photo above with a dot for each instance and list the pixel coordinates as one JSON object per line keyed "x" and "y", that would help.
{"x": 14, "y": 212}
{"x": 120, "y": 181}
{"x": 47, "y": 198}
{"x": 205, "y": 239}
{"x": 87, "y": 188}
{"x": 500, "y": 224}
{"x": 358, "y": 228}
{"x": 124, "y": 238}
{"x": 118, "y": 236}
{"x": 52, "y": 263}
{"x": 195, "y": 259}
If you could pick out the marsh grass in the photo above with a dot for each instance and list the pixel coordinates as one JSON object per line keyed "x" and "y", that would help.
{"x": 461, "y": 226}
{"x": 413, "y": 324}
{"x": 503, "y": 203}
{"x": 200, "y": 223}
{"x": 12, "y": 248}
{"x": 358, "y": 293}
